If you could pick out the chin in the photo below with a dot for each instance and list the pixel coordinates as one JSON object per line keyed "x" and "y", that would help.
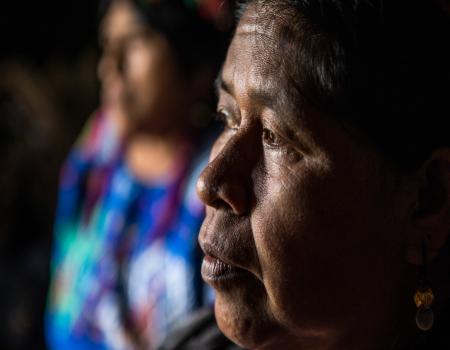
{"x": 245, "y": 322}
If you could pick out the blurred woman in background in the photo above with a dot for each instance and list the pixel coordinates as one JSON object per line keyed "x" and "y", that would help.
{"x": 125, "y": 263}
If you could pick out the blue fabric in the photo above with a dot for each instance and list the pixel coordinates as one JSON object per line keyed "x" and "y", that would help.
{"x": 125, "y": 262}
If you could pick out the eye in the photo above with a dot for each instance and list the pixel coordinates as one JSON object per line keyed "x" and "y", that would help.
{"x": 280, "y": 145}
{"x": 271, "y": 139}
{"x": 227, "y": 119}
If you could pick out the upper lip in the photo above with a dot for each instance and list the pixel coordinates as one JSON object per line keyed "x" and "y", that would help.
{"x": 213, "y": 251}
{"x": 219, "y": 246}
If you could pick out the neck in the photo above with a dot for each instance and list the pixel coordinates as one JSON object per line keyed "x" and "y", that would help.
{"x": 151, "y": 158}
{"x": 118, "y": 119}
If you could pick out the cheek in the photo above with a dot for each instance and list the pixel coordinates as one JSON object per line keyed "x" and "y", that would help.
{"x": 138, "y": 64}
{"x": 143, "y": 68}
{"x": 287, "y": 226}
{"x": 317, "y": 233}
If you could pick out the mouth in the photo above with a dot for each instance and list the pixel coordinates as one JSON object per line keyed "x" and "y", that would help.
{"x": 218, "y": 273}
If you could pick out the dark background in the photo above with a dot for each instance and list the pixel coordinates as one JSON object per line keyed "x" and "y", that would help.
{"x": 48, "y": 89}
{"x": 40, "y": 30}
{"x": 56, "y": 40}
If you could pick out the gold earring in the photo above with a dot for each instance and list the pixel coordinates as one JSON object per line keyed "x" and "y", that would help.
{"x": 424, "y": 316}
{"x": 424, "y": 297}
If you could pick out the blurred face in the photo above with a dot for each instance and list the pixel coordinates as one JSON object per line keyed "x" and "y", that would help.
{"x": 304, "y": 231}
{"x": 119, "y": 24}
{"x": 138, "y": 70}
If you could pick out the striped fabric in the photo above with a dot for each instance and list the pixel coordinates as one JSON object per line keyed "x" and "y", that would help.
{"x": 125, "y": 260}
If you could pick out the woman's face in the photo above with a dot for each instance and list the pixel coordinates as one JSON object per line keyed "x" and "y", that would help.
{"x": 118, "y": 25}
{"x": 138, "y": 70}
{"x": 305, "y": 226}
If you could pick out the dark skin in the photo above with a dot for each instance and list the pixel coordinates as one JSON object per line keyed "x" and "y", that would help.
{"x": 319, "y": 236}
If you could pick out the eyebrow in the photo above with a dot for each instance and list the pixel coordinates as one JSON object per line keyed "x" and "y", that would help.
{"x": 219, "y": 84}
{"x": 265, "y": 97}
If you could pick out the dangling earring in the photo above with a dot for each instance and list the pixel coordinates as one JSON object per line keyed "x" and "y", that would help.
{"x": 424, "y": 297}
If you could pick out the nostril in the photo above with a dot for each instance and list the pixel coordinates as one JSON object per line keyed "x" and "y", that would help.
{"x": 220, "y": 204}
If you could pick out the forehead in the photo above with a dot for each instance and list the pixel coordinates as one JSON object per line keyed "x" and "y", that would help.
{"x": 253, "y": 58}
{"x": 256, "y": 40}
{"x": 256, "y": 64}
{"x": 120, "y": 20}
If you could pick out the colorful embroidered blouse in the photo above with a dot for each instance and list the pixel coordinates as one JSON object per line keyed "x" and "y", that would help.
{"x": 125, "y": 265}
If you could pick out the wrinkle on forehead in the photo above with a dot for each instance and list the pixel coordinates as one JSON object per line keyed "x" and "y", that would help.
{"x": 262, "y": 57}
{"x": 266, "y": 16}
{"x": 258, "y": 40}
{"x": 262, "y": 22}
{"x": 250, "y": 71}
{"x": 278, "y": 34}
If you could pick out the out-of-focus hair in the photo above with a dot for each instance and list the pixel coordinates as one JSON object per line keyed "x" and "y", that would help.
{"x": 197, "y": 30}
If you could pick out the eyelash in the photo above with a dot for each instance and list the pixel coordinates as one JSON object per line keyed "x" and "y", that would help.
{"x": 270, "y": 138}
{"x": 226, "y": 120}
{"x": 277, "y": 143}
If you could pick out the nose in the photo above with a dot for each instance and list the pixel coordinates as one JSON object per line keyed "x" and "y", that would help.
{"x": 104, "y": 67}
{"x": 226, "y": 181}
{"x": 110, "y": 65}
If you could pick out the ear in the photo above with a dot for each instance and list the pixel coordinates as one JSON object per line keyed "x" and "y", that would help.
{"x": 431, "y": 216}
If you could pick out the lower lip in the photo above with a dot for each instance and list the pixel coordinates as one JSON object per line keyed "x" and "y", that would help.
{"x": 216, "y": 272}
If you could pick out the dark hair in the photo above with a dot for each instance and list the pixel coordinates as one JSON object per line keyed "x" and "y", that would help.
{"x": 197, "y": 31}
{"x": 382, "y": 66}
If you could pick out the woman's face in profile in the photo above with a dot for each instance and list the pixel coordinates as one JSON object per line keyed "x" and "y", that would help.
{"x": 304, "y": 229}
